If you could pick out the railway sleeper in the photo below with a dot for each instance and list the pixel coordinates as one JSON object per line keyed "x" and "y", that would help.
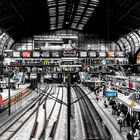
{"x": 34, "y": 130}
{"x": 53, "y": 130}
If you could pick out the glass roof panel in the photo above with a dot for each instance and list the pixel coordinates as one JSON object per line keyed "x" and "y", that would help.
{"x": 50, "y": 0}
{"x": 74, "y": 25}
{"x": 84, "y": 11}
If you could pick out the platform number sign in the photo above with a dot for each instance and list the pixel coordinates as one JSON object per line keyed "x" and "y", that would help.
{"x": 132, "y": 103}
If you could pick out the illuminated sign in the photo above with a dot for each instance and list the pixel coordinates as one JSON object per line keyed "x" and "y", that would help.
{"x": 16, "y": 54}
{"x": 69, "y": 53}
{"x": 26, "y": 54}
{"x": 83, "y": 54}
{"x": 36, "y": 54}
{"x": 102, "y": 54}
{"x": 45, "y": 54}
{"x": 70, "y": 66}
{"x": 132, "y": 104}
{"x": 54, "y": 37}
{"x": 110, "y": 53}
{"x": 46, "y": 62}
{"x": 92, "y": 54}
{"x": 111, "y": 94}
{"x": 138, "y": 58}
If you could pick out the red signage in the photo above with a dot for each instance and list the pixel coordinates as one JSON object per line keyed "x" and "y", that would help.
{"x": 26, "y": 54}
{"x": 69, "y": 53}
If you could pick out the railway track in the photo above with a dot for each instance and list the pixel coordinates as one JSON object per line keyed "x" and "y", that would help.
{"x": 6, "y": 122}
{"x": 53, "y": 118}
{"x": 41, "y": 117}
{"x": 55, "y": 125}
{"x": 9, "y": 129}
{"x": 35, "y": 122}
{"x": 92, "y": 121}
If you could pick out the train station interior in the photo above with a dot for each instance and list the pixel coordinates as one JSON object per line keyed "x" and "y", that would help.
{"x": 69, "y": 70}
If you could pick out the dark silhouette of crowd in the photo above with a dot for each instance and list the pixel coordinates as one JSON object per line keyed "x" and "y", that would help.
{"x": 125, "y": 119}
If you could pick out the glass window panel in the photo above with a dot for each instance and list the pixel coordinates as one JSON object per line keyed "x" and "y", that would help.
{"x": 90, "y": 9}
{"x": 74, "y": 25}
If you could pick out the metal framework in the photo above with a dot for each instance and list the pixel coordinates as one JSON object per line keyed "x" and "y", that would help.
{"x": 109, "y": 19}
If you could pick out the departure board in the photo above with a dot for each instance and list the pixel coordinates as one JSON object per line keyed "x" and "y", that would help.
{"x": 92, "y": 54}
{"x": 83, "y": 54}
{"x": 55, "y": 54}
{"x": 45, "y": 54}
{"x": 16, "y": 54}
{"x": 36, "y": 54}
{"x": 102, "y": 54}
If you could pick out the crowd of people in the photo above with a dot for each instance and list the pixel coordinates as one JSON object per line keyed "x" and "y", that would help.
{"x": 125, "y": 119}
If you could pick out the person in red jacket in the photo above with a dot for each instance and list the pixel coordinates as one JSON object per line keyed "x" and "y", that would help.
{"x": 1, "y": 101}
{"x": 130, "y": 85}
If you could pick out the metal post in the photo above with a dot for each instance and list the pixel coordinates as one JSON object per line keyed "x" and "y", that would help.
{"x": 37, "y": 86}
{"x": 69, "y": 105}
{"x": 9, "y": 96}
{"x": 129, "y": 80}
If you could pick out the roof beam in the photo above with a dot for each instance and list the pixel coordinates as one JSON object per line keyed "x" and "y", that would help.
{"x": 125, "y": 14}
{"x": 18, "y": 13}
{"x": 75, "y": 6}
{"x": 68, "y": 13}
{"x": 125, "y": 27}
{"x": 83, "y": 13}
{"x": 6, "y": 18}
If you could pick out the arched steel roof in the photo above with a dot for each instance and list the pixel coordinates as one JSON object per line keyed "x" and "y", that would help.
{"x": 110, "y": 19}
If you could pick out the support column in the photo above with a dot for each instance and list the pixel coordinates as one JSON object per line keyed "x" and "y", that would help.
{"x": 69, "y": 106}
{"x": 64, "y": 78}
{"x": 9, "y": 96}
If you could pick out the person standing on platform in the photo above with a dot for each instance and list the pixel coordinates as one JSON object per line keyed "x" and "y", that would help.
{"x": 97, "y": 98}
{"x": 114, "y": 108}
{"x": 1, "y": 99}
{"x": 120, "y": 122}
{"x": 132, "y": 119}
{"x": 130, "y": 135}
{"x": 136, "y": 128}
{"x": 105, "y": 104}
{"x": 122, "y": 116}
{"x": 128, "y": 117}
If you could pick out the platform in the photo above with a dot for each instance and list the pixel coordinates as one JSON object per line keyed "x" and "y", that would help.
{"x": 106, "y": 114}
{"x": 13, "y": 91}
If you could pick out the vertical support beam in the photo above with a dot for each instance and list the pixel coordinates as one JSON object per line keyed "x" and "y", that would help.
{"x": 64, "y": 78}
{"x": 69, "y": 106}
{"x": 37, "y": 85}
{"x": 9, "y": 96}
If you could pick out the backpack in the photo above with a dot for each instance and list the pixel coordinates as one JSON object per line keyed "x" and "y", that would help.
{"x": 120, "y": 121}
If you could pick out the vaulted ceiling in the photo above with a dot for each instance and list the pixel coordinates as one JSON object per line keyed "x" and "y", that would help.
{"x": 110, "y": 19}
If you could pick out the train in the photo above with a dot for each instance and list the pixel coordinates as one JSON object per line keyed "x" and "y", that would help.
{"x": 132, "y": 83}
{"x": 126, "y": 86}
{"x": 14, "y": 99}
